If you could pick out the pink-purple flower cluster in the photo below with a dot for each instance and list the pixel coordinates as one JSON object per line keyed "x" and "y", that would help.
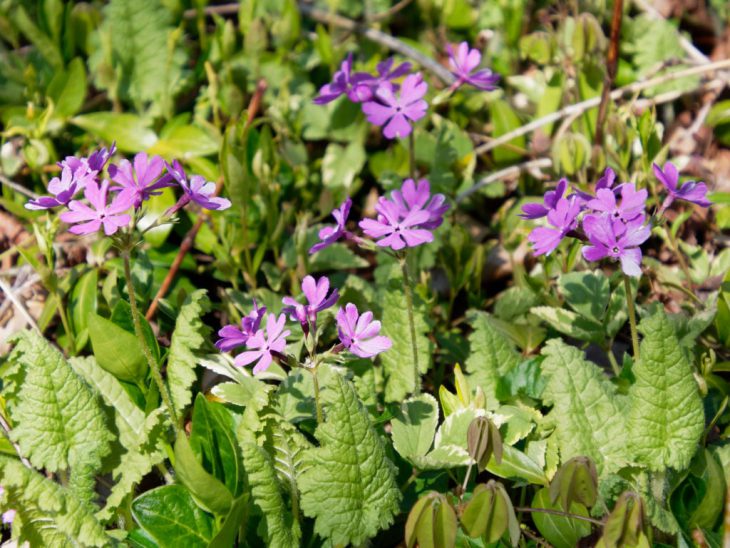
{"x": 613, "y": 221}
{"x": 396, "y": 107}
{"x": 358, "y": 333}
{"x": 108, "y": 202}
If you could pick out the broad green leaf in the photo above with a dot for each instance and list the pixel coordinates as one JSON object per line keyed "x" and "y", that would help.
{"x": 59, "y": 423}
{"x": 183, "y": 142}
{"x": 698, "y": 501}
{"x": 82, "y": 304}
{"x": 207, "y": 490}
{"x": 398, "y": 360}
{"x": 49, "y": 514}
{"x": 170, "y": 516}
{"x": 155, "y": 207}
{"x": 116, "y": 349}
{"x": 587, "y": 412}
{"x": 336, "y": 257}
{"x": 414, "y": 426}
{"x": 666, "y": 418}
{"x": 559, "y": 531}
{"x": 491, "y": 357}
{"x": 570, "y": 323}
{"x": 515, "y": 464}
{"x": 505, "y": 120}
{"x": 228, "y": 531}
{"x": 131, "y": 132}
{"x": 188, "y": 339}
{"x": 67, "y": 89}
{"x": 349, "y": 485}
{"x": 586, "y": 292}
{"x": 341, "y": 165}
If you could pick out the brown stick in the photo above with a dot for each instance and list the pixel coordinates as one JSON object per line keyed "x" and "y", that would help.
{"x": 611, "y": 66}
{"x": 189, "y": 238}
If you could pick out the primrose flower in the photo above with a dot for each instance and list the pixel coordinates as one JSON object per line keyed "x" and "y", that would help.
{"x": 396, "y": 230}
{"x": 110, "y": 216}
{"x": 463, "y": 61}
{"x": 232, "y": 336}
{"x": 563, "y": 219}
{"x": 613, "y": 238}
{"x": 91, "y": 166}
{"x": 550, "y": 200}
{"x": 359, "y": 333}
{"x": 397, "y": 112}
{"x": 690, "y": 191}
{"x": 316, "y": 294}
{"x": 386, "y": 73}
{"x": 606, "y": 181}
{"x": 632, "y": 203}
{"x": 63, "y": 190}
{"x": 411, "y": 197}
{"x": 140, "y": 181}
{"x": 356, "y": 86}
{"x": 330, "y": 234}
{"x": 262, "y": 346}
{"x": 197, "y": 190}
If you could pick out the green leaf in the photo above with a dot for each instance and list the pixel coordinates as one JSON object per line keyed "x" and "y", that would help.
{"x": 586, "y": 292}
{"x": 131, "y": 132}
{"x": 336, "y": 257}
{"x": 559, "y": 531}
{"x": 188, "y": 339}
{"x": 398, "y": 361}
{"x": 349, "y": 485}
{"x": 82, "y": 304}
{"x": 45, "y": 44}
{"x": 49, "y": 514}
{"x": 169, "y": 514}
{"x": 116, "y": 349}
{"x": 67, "y": 89}
{"x": 491, "y": 356}
{"x": 515, "y": 464}
{"x": 570, "y": 323}
{"x": 185, "y": 141}
{"x": 341, "y": 165}
{"x": 414, "y": 426}
{"x": 226, "y": 535}
{"x": 505, "y": 120}
{"x": 666, "y": 418}
{"x": 59, "y": 423}
{"x": 587, "y": 412}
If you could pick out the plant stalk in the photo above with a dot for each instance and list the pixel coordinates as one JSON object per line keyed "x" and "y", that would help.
{"x": 64, "y": 321}
{"x": 317, "y": 403}
{"x": 143, "y": 342}
{"x": 632, "y": 317}
{"x": 412, "y": 156}
{"x": 408, "y": 288}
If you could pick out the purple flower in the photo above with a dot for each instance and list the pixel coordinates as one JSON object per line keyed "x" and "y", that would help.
{"x": 8, "y": 517}
{"x": 690, "y": 191}
{"x": 411, "y": 197}
{"x": 98, "y": 159}
{"x": 563, "y": 219}
{"x": 550, "y": 199}
{"x": 232, "y": 336}
{"x": 463, "y": 61}
{"x": 605, "y": 182}
{"x": 356, "y": 86}
{"x": 197, "y": 190}
{"x": 396, "y": 230}
{"x": 110, "y": 216}
{"x": 396, "y": 112}
{"x": 366, "y": 88}
{"x": 632, "y": 203}
{"x": 330, "y": 234}
{"x": 63, "y": 190}
{"x": 615, "y": 239}
{"x": 316, "y": 294}
{"x": 359, "y": 333}
{"x": 140, "y": 181}
{"x": 263, "y": 347}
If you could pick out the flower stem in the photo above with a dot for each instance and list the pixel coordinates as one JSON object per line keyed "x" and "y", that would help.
{"x": 317, "y": 403}
{"x": 408, "y": 288}
{"x": 632, "y": 317}
{"x": 412, "y": 156}
{"x": 154, "y": 368}
{"x": 64, "y": 321}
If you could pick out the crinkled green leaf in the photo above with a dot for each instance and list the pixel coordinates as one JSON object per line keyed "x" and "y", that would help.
{"x": 188, "y": 338}
{"x": 58, "y": 422}
{"x": 398, "y": 360}
{"x": 666, "y": 418}
{"x": 49, "y": 514}
{"x": 491, "y": 356}
{"x": 586, "y": 412}
{"x": 570, "y": 323}
{"x": 349, "y": 487}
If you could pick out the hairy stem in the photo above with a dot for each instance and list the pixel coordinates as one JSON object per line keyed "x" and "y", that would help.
{"x": 317, "y": 403}
{"x": 408, "y": 288}
{"x": 154, "y": 368}
{"x": 64, "y": 321}
{"x": 612, "y": 360}
{"x": 632, "y": 317}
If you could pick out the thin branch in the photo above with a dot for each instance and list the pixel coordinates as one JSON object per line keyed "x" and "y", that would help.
{"x": 611, "y": 67}
{"x": 597, "y": 522}
{"x": 391, "y": 11}
{"x": 18, "y": 305}
{"x": 615, "y": 95}
{"x": 17, "y": 188}
{"x": 695, "y": 54}
{"x": 508, "y": 172}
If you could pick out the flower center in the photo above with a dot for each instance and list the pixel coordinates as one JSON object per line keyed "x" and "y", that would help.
{"x": 615, "y": 250}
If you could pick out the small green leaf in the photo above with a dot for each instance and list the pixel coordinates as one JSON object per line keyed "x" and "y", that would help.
{"x": 82, "y": 304}
{"x": 561, "y": 532}
{"x": 169, "y": 514}
{"x": 414, "y": 426}
{"x": 570, "y": 323}
{"x": 586, "y": 292}
{"x": 185, "y": 141}
{"x": 117, "y": 350}
{"x": 67, "y": 89}
{"x": 131, "y": 132}
{"x": 341, "y": 165}
{"x": 505, "y": 120}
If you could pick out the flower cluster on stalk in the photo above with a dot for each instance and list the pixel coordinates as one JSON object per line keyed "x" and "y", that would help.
{"x": 613, "y": 221}
{"x": 111, "y": 203}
